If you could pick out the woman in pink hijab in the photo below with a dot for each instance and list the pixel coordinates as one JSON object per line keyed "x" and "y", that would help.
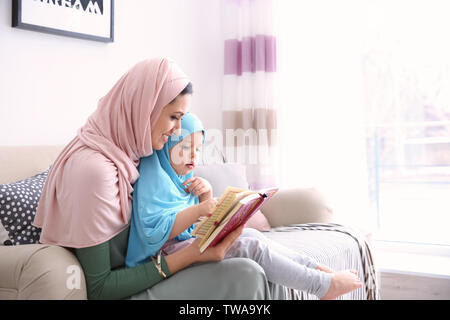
{"x": 86, "y": 201}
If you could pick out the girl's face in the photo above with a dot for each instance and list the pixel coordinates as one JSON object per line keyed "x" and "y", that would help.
{"x": 184, "y": 155}
{"x": 169, "y": 120}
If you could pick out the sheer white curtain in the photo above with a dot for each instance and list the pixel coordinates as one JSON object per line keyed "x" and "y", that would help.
{"x": 320, "y": 96}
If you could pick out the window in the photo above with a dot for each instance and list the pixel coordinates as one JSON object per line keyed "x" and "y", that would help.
{"x": 364, "y": 93}
{"x": 407, "y": 86}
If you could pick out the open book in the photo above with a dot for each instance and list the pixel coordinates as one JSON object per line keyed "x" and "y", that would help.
{"x": 234, "y": 208}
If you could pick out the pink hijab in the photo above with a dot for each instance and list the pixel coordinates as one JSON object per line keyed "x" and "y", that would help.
{"x": 86, "y": 199}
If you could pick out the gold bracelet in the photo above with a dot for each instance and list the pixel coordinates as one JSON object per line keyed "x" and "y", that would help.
{"x": 158, "y": 267}
{"x": 157, "y": 264}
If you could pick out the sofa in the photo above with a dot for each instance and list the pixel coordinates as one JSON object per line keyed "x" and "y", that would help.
{"x": 296, "y": 218}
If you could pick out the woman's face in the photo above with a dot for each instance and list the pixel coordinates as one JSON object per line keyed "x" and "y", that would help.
{"x": 184, "y": 155}
{"x": 169, "y": 120}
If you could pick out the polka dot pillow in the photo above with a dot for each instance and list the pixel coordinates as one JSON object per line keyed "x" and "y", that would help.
{"x": 18, "y": 205}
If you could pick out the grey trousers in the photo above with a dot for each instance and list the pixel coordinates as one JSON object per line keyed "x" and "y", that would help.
{"x": 230, "y": 279}
{"x": 280, "y": 264}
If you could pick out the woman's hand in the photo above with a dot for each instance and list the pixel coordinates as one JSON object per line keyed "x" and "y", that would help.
{"x": 185, "y": 257}
{"x": 199, "y": 187}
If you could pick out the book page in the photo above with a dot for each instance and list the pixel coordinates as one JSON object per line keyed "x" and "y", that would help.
{"x": 241, "y": 202}
{"x": 240, "y": 214}
{"x": 224, "y": 205}
{"x": 233, "y": 219}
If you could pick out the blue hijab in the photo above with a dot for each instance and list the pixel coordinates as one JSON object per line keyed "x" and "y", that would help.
{"x": 157, "y": 198}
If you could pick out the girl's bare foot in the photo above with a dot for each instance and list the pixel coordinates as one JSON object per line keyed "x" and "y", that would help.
{"x": 342, "y": 282}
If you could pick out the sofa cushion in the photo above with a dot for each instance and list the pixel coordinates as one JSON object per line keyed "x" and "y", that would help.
{"x": 4, "y": 236}
{"x": 222, "y": 175}
{"x": 18, "y": 205}
{"x": 297, "y": 205}
{"x": 231, "y": 174}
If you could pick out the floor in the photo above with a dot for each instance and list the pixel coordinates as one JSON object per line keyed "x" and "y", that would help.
{"x": 413, "y": 275}
{"x": 398, "y": 286}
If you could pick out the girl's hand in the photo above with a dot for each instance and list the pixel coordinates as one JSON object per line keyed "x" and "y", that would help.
{"x": 206, "y": 207}
{"x": 198, "y": 186}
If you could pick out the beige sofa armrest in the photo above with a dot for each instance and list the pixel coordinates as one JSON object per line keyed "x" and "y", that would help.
{"x": 296, "y": 206}
{"x": 37, "y": 271}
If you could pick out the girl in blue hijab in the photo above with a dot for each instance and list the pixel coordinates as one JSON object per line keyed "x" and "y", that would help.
{"x": 168, "y": 199}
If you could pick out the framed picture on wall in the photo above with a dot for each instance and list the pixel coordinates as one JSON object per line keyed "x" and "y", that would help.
{"x": 85, "y": 19}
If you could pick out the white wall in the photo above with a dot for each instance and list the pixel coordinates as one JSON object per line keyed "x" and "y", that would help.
{"x": 50, "y": 84}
